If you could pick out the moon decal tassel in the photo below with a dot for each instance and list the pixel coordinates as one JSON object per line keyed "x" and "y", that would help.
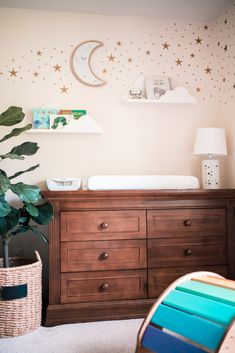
{"x": 81, "y": 63}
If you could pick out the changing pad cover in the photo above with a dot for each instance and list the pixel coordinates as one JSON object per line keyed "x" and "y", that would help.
{"x": 142, "y": 182}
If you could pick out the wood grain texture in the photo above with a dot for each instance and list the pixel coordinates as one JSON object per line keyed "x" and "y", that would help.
{"x": 187, "y": 251}
{"x": 186, "y": 222}
{"x": 225, "y": 283}
{"x": 160, "y": 278}
{"x": 102, "y": 225}
{"x": 196, "y": 232}
{"x": 103, "y": 285}
{"x": 103, "y": 255}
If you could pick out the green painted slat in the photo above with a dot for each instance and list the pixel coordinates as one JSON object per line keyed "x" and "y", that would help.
{"x": 204, "y": 332}
{"x": 209, "y": 291}
{"x": 203, "y": 307}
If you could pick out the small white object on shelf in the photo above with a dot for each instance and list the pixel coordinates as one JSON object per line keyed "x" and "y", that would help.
{"x": 178, "y": 95}
{"x": 63, "y": 184}
{"x": 142, "y": 182}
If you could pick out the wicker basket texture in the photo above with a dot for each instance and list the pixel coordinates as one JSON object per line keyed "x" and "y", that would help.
{"x": 21, "y": 316}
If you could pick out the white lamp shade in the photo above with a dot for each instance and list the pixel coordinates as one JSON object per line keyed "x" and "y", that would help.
{"x": 210, "y": 141}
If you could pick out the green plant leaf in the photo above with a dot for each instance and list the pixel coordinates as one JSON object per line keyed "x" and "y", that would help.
{"x": 4, "y": 184}
{"x": 26, "y": 149}
{"x": 32, "y": 210}
{"x": 3, "y": 172}
{"x": 24, "y": 229}
{"x": 24, "y": 171}
{"x": 11, "y": 156}
{"x": 12, "y": 116}
{"x": 5, "y": 209}
{"x": 9, "y": 222}
{"x": 16, "y": 132}
{"x": 24, "y": 218}
{"x": 45, "y": 213}
{"x": 19, "y": 230}
{"x": 27, "y": 193}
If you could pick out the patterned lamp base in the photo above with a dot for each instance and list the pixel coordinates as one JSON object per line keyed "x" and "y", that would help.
{"x": 210, "y": 174}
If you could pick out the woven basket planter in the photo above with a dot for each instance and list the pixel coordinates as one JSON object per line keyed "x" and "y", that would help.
{"x": 20, "y": 316}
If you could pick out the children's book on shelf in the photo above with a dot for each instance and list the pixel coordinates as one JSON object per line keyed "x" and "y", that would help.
{"x": 41, "y": 117}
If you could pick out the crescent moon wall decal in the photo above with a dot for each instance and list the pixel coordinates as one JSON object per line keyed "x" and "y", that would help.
{"x": 81, "y": 63}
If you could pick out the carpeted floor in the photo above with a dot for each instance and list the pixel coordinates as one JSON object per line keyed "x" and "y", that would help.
{"x": 96, "y": 337}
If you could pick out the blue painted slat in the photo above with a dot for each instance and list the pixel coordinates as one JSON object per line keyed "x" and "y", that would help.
{"x": 203, "y": 307}
{"x": 210, "y": 291}
{"x": 201, "y": 331}
{"x": 162, "y": 342}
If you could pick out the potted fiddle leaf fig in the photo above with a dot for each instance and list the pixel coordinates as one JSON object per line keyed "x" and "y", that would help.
{"x": 17, "y": 220}
{"x": 19, "y": 278}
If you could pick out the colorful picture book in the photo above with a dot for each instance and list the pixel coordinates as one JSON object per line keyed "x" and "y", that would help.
{"x": 51, "y": 118}
{"x": 75, "y": 113}
{"x": 41, "y": 118}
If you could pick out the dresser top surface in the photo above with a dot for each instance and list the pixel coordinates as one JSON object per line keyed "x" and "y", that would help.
{"x": 141, "y": 194}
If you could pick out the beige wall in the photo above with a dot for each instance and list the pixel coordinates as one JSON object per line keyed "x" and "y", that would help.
{"x": 225, "y": 35}
{"x": 137, "y": 139}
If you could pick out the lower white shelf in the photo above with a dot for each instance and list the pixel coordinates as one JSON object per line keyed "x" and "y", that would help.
{"x": 51, "y": 131}
{"x": 85, "y": 125}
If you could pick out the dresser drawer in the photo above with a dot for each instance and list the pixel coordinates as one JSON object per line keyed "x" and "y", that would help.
{"x": 160, "y": 279}
{"x": 96, "y": 225}
{"x": 180, "y": 222}
{"x": 187, "y": 251}
{"x": 103, "y": 285}
{"x": 103, "y": 255}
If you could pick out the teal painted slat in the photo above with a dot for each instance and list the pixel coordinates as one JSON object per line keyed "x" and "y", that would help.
{"x": 210, "y": 291}
{"x": 204, "y": 332}
{"x": 158, "y": 341}
{"x": 203, "y": 307}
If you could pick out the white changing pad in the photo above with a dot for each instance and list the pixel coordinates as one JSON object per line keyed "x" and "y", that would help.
{"x": 142, "y": 182}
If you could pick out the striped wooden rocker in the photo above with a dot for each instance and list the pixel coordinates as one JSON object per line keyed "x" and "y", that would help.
{"x": 195, "y": 314}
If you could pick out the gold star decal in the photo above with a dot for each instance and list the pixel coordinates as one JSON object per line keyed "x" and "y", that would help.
{"x": 234, "y": 86}
{"x": 178, "y": 62}
{"x": 148, "y": 52}
{"x": 1, "y": 73}
{"x": 225, "y": 21}
{"x": 35, "y": 74}
{"x": 129, "y": 60}
{"x": 119, "y": 43}
{"x": 192, "y": 55}
{"x": 224, "y": 79}
{"x": 208, "y": 70}
{"x": 39, "y": 53}
{"x": 198, "y": 40}
{"x": 205, "y": 27}
{"x": 225, "y": 47}
{"x": 104, "y": 71}
{"x": 165, "y": 45}
{"x": 13, "y": 72}
{"x": 111, "y": 57}
{"x": 198, "y": 89}
{"x": 64, "y": 89}
{"x": 57, "y": 67}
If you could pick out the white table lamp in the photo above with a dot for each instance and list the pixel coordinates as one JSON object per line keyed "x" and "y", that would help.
{"x": 211, "y": 142}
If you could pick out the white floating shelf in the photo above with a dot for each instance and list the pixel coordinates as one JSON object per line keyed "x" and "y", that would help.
{"x": 61, "y": 131}
{"x": 85, "y": 125}
{"x": 178, "y": 95}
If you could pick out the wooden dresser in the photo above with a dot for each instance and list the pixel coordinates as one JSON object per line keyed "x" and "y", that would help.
{"x": 111, "y": 253}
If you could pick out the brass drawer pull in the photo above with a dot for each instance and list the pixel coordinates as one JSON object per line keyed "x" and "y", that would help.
{"x": 104, "y": 286}
{"x": 187, "y": 222}
{"x": 188, "y": 252}
{"x": 104, "y": 225}
{"x": 104, "y": 256}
